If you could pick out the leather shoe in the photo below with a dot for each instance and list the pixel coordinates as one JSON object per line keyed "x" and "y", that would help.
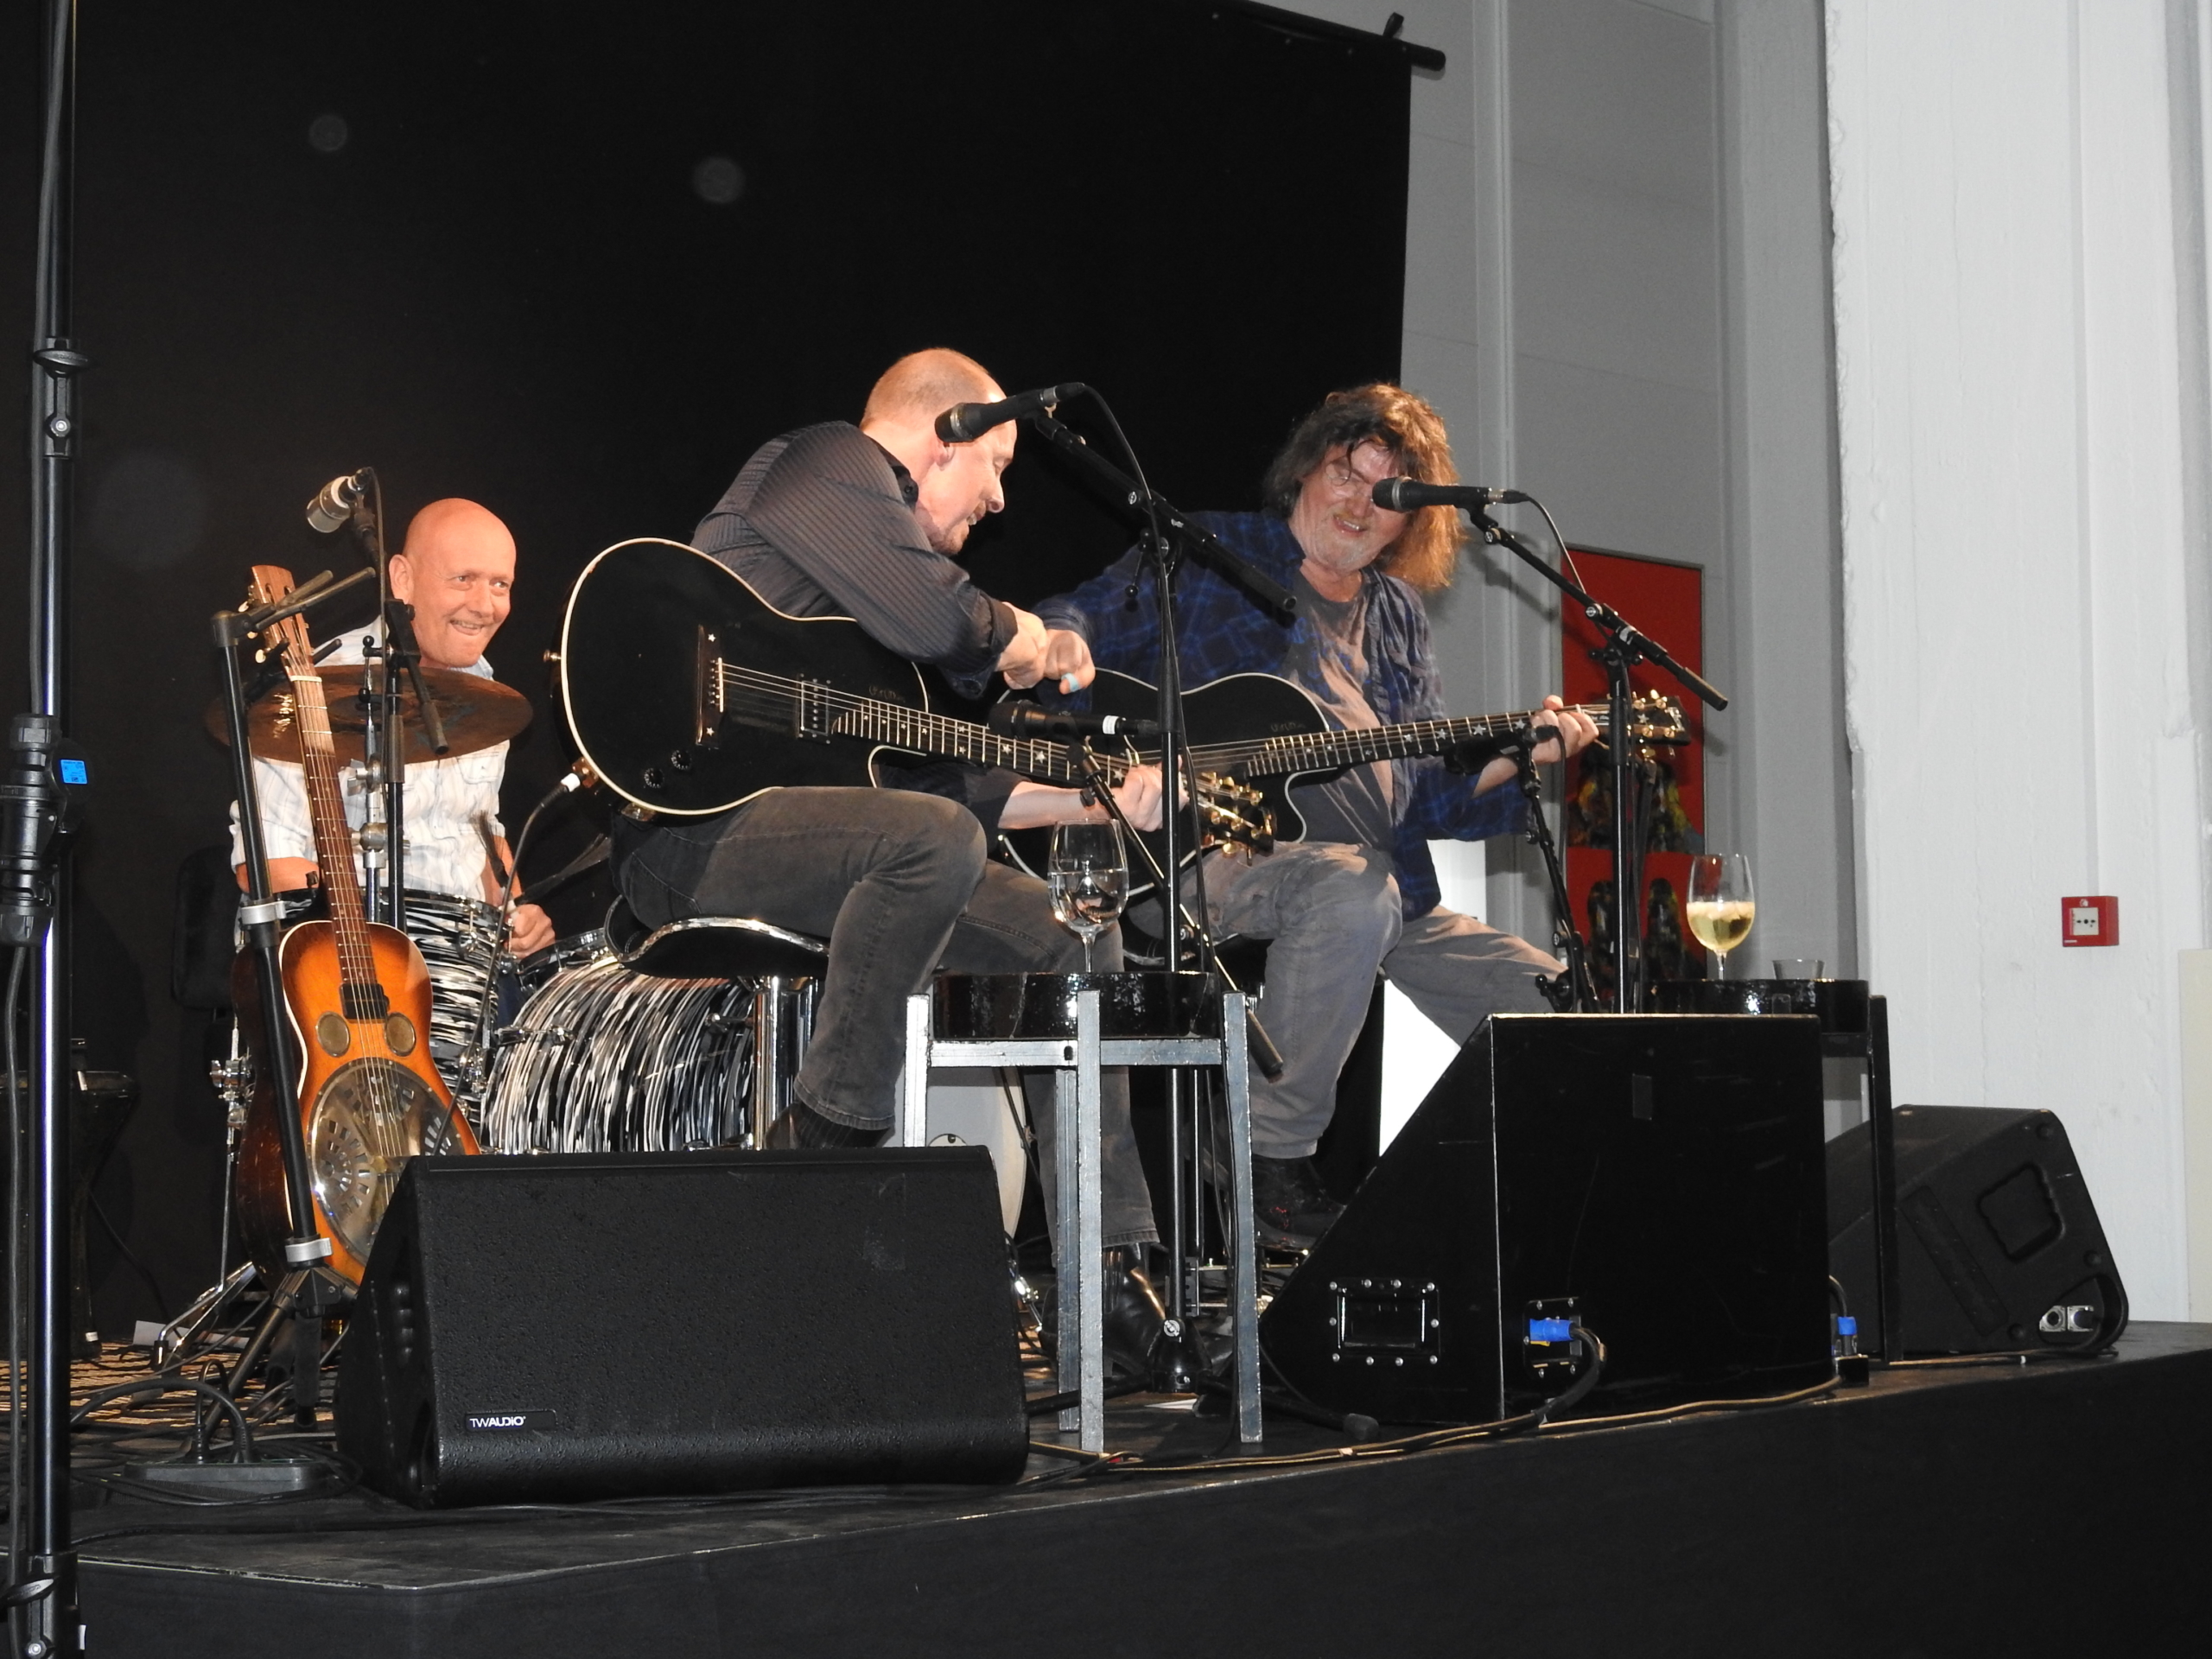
{"x": 1291, "y": 1207}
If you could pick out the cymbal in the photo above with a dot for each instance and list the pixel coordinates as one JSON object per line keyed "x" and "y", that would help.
{"x": 478, "y": 712}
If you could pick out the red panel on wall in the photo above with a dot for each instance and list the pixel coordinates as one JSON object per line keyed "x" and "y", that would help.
{"x": 1666, "y": 602}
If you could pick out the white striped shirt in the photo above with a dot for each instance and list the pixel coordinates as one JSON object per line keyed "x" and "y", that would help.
{"x": 445, "y": 799}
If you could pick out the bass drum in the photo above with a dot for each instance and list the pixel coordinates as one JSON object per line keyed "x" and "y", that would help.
{"x": 603, "y": 1059}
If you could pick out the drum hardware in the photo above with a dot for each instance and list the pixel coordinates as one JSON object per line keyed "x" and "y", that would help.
{"x": 478, "y": 712}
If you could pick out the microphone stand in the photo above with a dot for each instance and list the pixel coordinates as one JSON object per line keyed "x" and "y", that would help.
{"x": 1623, "y": 648}
{"x": 1572, "y": 990}
{"x": 1166, "y": 538}
{"x": 380, "y": 694}
{"x": 41, "y": 1593}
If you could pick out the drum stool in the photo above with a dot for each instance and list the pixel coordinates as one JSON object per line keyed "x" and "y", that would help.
{"x": 785, "y": 970}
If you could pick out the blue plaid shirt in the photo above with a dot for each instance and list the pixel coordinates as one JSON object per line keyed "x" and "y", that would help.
{"x": 1223, "y": 632}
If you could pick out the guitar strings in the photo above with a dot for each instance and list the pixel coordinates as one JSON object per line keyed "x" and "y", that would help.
{"x": 772, "y": 699}
{"x": 390, "y": 1123}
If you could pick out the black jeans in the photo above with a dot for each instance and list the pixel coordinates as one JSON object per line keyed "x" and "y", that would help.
{"x": 898, "y": 882}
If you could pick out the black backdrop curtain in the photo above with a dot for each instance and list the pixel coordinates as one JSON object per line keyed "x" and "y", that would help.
{"x": 576, "y": 263}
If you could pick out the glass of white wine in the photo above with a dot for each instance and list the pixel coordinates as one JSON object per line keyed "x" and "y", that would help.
{"x": 1720, "y": 905}
{"x": 1088, "y": 876}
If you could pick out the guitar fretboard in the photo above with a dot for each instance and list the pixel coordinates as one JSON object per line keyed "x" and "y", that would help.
{"x": 811, "y": 709}
{"x": 1325, "y": 750}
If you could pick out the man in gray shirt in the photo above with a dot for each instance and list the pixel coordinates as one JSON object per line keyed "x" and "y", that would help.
{"x": 862, "y": 522}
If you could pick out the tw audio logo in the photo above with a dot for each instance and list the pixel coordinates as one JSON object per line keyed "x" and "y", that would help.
{"x": 481, "y": 1422}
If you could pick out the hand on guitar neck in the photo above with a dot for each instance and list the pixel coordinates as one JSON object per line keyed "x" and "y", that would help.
{"x": 1576, "y": 731}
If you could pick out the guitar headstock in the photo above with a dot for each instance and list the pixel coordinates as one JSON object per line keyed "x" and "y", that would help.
{"x": 1655, "y": 719}
{"x": 271, "y": 584}
{"x": 1230, "y": 814}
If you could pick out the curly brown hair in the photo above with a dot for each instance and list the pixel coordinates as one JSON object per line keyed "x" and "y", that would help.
{"x": 1428, "y": 549}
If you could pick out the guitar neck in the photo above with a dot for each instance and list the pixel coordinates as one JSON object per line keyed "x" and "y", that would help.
{"x": 334, "y": 841}
{"x": 811, "y": 709}
{"x": 1326, "y": 751}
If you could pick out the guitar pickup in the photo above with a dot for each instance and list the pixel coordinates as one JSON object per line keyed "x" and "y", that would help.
{"x": 707, "y": 703}
{"x": 813, "y": 719}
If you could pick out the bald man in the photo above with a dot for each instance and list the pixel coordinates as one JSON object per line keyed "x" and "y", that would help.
{"x": 456, "y": 568}
{"x": 863, "y": 521}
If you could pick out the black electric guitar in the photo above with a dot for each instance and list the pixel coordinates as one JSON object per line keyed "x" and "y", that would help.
{"x": 690, "y": 695}
{"x": 1260, "y": 734}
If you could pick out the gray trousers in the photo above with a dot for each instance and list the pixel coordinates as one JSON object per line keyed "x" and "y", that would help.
{"x": 1331, "y": 913}
{"x": 899, "y": 884}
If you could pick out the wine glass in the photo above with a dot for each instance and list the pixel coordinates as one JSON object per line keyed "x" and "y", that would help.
{"x": 1720, "y": 904}
{"x": 1089, "y": 877}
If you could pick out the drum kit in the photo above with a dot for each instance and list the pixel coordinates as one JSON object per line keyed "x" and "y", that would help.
{"x": 568, "y": 1051}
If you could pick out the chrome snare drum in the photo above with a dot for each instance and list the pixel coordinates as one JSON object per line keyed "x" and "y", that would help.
{"x": 460, "y": 940}
{"x": 603, "y": 1060}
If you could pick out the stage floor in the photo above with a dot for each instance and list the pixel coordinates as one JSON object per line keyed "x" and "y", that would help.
{"x": 2059, "y": 1507}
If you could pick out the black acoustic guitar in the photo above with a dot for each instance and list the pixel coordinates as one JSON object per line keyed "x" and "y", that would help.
{"x": 1260, "y": 734}
{"x": 691, "y": 694}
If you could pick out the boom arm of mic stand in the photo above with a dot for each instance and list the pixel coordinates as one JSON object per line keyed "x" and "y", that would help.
{"x": 1635, "y": 644}
{"x": 233, "y": 626}
{"x": 1262, "y": 1048}
{"x": 1201, "y": 545}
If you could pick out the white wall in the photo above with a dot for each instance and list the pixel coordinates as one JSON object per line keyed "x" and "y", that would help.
{"x": 1616, "y": 293}
{"x": 2010, "y": 304}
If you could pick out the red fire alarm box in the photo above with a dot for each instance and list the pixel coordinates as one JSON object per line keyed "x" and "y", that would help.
{"x": 2092, "y": 920}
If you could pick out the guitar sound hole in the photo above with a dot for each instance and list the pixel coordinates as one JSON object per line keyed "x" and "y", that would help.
{"x": 370, "y": 1118}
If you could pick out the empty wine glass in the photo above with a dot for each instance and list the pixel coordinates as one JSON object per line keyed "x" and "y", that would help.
{"x": 1088, "y": 876}
{"x": 1720, "y": 904}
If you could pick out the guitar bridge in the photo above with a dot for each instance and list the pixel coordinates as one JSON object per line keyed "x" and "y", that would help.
{"x": 707, "y": 704}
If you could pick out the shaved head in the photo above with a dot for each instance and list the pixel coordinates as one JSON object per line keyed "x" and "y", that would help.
{"x": 457, "y": 569}
{"x": 450, "y": 522}
{"x": 922, "y": 385}
{"x": 956, "y": 483}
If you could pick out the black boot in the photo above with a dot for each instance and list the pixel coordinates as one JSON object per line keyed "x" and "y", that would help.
{"x": 802, "y": 1126}
{"x": 1131, "y": 1315}
{"x": 1133, "y": 1312}
{"x": 1291, "y": 1209}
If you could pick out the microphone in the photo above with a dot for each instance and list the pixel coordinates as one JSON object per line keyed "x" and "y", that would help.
{"x": 965, "y": 422}
{"x": 1408, "y": 495}
{"x": 1027, "y": 720}
{"x": 330, "y": 510}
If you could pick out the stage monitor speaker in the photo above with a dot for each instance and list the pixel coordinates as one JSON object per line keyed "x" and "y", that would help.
{"x": 1657, "y": 1177}
{"x": 1998, "y": 1246}
{"x": 598, "y": 1325}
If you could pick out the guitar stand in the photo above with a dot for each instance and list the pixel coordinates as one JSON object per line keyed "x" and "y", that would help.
{"x": 310, "y": 1289}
